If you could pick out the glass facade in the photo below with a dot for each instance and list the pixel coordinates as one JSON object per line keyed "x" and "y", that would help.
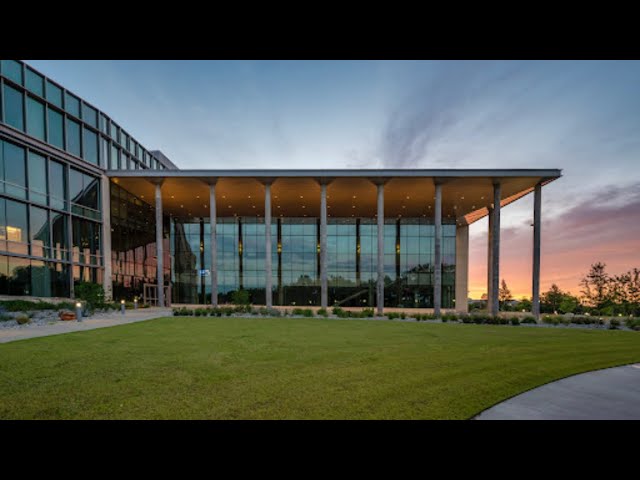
{"x": 33, "y": 104}
{"x": 133, "y": 244}
{"x": 351, "y": 261}
{"x": 35, "y": 219}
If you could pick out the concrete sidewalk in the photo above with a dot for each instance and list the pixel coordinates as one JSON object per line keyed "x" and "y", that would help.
{"x": 97, "y": 321}
{"x": 609, "y": 394}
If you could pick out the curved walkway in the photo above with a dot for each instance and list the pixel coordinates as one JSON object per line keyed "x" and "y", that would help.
{"x": 97, "y": 321}
{"x": 609, "y": 394}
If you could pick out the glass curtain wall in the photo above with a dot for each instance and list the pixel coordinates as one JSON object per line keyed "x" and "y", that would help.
{"x": 34, "y": 224}
{"x": 351, "y": 261}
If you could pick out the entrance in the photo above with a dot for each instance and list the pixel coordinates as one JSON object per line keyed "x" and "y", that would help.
{"x": 150, "y": 295}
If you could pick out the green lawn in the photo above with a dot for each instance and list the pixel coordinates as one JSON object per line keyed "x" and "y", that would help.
{"x": 235, "y": 368}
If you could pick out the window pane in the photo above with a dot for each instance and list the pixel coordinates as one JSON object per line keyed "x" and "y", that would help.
{"x": 40, "y": 279}
{"x": 54, "y": 94}
{"x": 124, "y": 140}
{"x": 56, "y": 132}
{"x": 17, "y": 227}
{"x": 59, "y": 232}
{"x": 71, "y": 104}
{"x": 57, "y": 184}
{"x": 39, "y": 232}
{"x": 73, "y": 137}
{"x": 35, "y": 118}
{"x": 19, "y": 276}
{"x": 113, "y": 161}
{"x": 104, "y": 124}
{"x": 35, "y": 82}
{"x": 104, "y": 153}
{"x": 37, "y": 178}
{"x": 12, "y": 70}
{"x": 75, "y": 186}
{"x": 90, "y": 146}
{"x": 14, "y": 170}
{"x": 115, "y": 132}
{"x": 90, "y": 115}
{"x": 13, "y": 114}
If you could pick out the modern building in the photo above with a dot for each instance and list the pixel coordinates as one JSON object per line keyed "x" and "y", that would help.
{"x": 82, "y": 200}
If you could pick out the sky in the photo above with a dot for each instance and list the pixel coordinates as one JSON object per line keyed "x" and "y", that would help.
{"x": 580, "y": 116}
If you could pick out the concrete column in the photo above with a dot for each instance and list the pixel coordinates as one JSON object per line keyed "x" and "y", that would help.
{"x": 535, "y": 296}
{"x": 489, "y": 260}
{"x": 213, "y": 221}
{"x": 324, "y": 288}
{"x": 267, "y": 260}
{"x": 105, "y": 195}
{"x": 495, "y": 251}
{"x": 380, "y": 284}
{"x": 159, "y": 246}
{"x": 437, "y": 262}
{"x": 462, "y": 268}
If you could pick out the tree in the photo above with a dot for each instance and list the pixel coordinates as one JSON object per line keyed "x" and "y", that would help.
{"x": 596, "y": 286}
{"x": 568, "y": 304}
{"x": 504, "y": 294}
{"x": 552, "y": 298}
{"x": 524, "y": 304}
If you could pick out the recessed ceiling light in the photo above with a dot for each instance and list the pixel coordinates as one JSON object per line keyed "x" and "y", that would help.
{"x": 172, "y": 196}
{"x": 181, "y": 206}
{"x": 197, "y": 196}
{"x": 278, "y": 206}
{"x": 403, "y": 206}
{"x": 301, "y": 196}
{"x": 304, "y": 206}
{"x": 229, "y": 206}
{"x": 354, "y": 196}
{"x": 407, "y": 197}
{"x": 223, "y": 196}
{"x": 248, "y": 196}
{"x": 353, "y": 206}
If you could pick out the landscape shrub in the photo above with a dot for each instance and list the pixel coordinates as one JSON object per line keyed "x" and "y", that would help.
{"x": 528, "y": 319}
{"x": 551, "y": 320}
{"x": 336, "y": 310}
{"x": 403, "y": 315}
{"x": 393, "y": 315}
{"x": 22, "y": 319}
{"x": 633, "y": 323}
{"x": 323, "y": 312}
{"x": 444, "y": 318}
{"x": 368, "y": 313}
{"x": 5, "y": 318}
{"x": 90, "y": 293}
{"x": 514, "y": 321}
{"x": 468, "y": 319}
{"x": 428, "y": 316}
{"x": 274, "y": 312}
{"x": 240, "y": 297}
{"x": 26, "y": 305}
{"x": 263, "y": 311}
{"x": 450, "y": 317}
{"x": 614, "y": 324}
{"x": 228, "y": 311}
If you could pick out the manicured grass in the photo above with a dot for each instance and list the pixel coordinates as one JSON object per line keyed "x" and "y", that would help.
{"x": 235, "y": 368}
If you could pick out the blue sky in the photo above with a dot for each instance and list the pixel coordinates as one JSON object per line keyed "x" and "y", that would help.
{"x": 581, "y": 116}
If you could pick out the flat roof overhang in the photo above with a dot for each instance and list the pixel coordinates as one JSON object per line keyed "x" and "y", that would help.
{"x": 466, "y": 194}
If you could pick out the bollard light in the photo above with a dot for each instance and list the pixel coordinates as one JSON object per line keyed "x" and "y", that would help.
{"x": 79, "y": 311}
{"x": 135, "y": 303}
{"x": 122, "y": 307}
